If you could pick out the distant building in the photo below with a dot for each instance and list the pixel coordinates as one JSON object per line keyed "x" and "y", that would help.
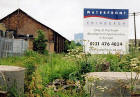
{"x": 20, "y": 25}
{"x": 78, "y": 37}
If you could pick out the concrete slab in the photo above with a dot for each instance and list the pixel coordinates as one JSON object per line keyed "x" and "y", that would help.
{"x": 110, "y": 84}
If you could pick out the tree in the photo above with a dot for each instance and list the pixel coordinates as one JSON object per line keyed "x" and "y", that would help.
{"x": 39, "y": 44}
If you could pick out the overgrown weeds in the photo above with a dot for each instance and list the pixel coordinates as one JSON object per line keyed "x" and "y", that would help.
{"x": 43, "y": 70}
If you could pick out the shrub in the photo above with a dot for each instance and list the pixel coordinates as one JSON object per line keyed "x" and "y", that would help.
{"x": 78, "y": 44}
{"x": 85, "y": 68}
{"x": 39, "y": 44}
{"x": 69, "y": 45}
{"x": 72, "y": 45}
{"x": 82, "y": 61}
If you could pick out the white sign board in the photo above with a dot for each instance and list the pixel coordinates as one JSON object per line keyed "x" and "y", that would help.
{"x": 106, "y": 31}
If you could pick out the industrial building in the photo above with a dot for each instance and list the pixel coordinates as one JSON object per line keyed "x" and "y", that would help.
{"x": 20, "y": 25}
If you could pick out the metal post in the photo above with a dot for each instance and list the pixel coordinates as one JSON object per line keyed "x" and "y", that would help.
{"x": 135, "y": 29}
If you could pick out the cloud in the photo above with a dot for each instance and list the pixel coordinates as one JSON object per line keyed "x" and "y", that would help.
{"x": 64, "y": 16}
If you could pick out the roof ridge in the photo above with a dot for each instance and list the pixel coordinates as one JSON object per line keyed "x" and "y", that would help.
{"x": 20, "y": 10}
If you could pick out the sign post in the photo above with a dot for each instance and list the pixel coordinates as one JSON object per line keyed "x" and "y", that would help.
{"x": 106, "y": 31}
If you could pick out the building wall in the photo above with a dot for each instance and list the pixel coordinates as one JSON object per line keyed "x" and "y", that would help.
{"x": 59, "y": 43}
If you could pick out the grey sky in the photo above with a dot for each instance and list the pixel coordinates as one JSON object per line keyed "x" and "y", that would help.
{"x": 66, "y": 16}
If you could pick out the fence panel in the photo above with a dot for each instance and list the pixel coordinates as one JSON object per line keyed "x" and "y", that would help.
{"x": 12, "y": 47}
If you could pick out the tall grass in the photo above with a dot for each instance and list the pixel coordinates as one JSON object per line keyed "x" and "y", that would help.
{"x": 56, "y": 67}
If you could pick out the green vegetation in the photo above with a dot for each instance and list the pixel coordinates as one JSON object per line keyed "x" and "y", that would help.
{"x": 43, "y": 71}
{"x": 69, "y": 45}
{"x": 39, "y": 44}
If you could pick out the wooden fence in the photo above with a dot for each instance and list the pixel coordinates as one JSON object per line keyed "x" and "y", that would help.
{"x": 12, "y": 47}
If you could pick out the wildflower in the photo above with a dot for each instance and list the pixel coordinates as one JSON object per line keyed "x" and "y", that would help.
{"x": 133, "y": 65}
{"x": 78, "y": 84}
